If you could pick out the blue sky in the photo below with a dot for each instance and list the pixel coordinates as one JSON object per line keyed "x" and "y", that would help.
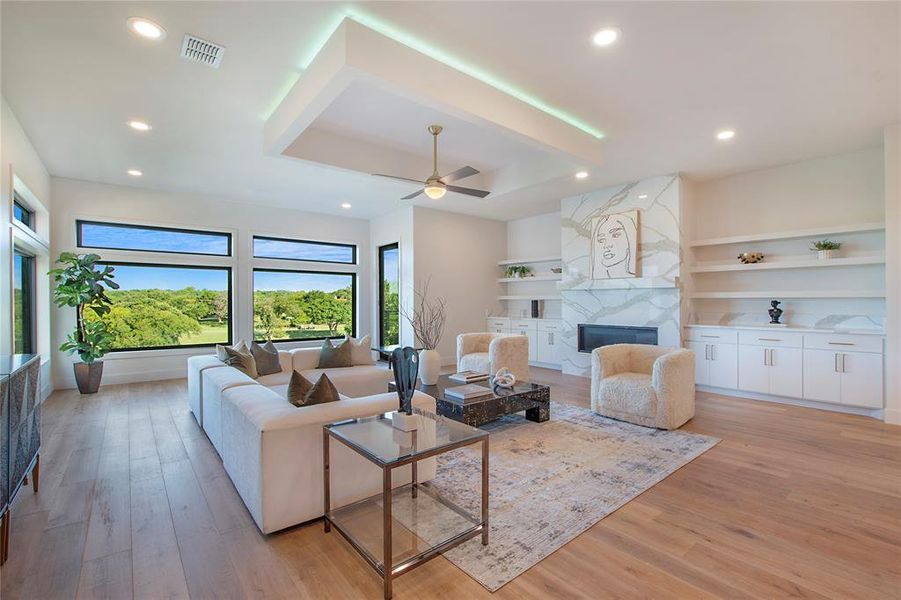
{"x": 302, "y": 251}
{"x": 128, "y": 238}
{"x": 169, "y": 278}
{"x": 295, "y": 282}
{"x": 391, "y": 273}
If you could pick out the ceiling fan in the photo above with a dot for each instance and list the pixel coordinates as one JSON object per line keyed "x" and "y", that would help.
{"x": 436, "y": 186}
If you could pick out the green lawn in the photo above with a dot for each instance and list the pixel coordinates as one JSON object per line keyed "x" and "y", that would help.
{"x": 209, "y": 334}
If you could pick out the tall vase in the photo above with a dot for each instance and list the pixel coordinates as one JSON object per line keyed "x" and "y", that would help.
{"x": 429, "y": 366}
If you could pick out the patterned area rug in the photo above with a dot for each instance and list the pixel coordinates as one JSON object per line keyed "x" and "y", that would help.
{"x": 551, "y": 481}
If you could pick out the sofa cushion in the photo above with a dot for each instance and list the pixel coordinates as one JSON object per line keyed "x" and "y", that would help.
{"x": 302, "y": 392}
{"x": 475, "y": 361}
{"x": 331, "y": 357}
{"x": 629, "y": 393}
{"x": 266, "y": 358}
{"x": 241, "y": 360}
{"x": 360, "y": 350}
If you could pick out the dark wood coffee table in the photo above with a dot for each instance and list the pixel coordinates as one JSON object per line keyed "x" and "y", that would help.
{"x": 533, "y": 398}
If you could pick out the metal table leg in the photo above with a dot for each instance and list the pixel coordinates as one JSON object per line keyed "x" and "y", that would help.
{"x": 485, "y": 491}
{"x": 387, "y": 553}
{"x": 325, "y": 480}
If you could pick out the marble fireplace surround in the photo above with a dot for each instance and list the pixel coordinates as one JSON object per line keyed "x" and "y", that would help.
{"x": 653, "y": 299}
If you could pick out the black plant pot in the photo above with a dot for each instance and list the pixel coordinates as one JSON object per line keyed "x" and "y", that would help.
{"x": 87, "y": 376}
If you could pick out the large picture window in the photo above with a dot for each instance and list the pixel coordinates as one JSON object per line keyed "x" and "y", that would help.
{"x": 23, "y": 303}
{"x": 168, "y": 306}
{"x": 303, "y": 305}
{"x": 389, "y": 295}
{"x": 267, "y": 247}
{"x": 145, "y": 238}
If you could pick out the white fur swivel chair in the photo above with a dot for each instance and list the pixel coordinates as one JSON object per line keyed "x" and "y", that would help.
{"x": 490, "y": 352}
{"x": 647, "y": 385}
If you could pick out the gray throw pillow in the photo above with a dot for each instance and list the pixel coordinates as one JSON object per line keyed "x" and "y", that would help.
{"x": 266, "y": 358}
{"x": 243, "y": 361}
{"x": 220, "y": 349}
{"x": 303, "y": 393}
{"x": 332, "y": 357}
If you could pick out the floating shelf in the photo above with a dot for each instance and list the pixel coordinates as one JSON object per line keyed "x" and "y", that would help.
{"x": 800, "y": 263}
{"x": 548, "y": 277}
{"x": 788, "y": 235}
{"x": 522, "y": 261}
{"x": 529, "y": 297}
{"x": 777, "y": 294}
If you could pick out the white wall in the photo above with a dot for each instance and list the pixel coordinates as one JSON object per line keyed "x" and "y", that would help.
{"x": 834, "y": 190}
{"x": 533, "y": 237}
{"x": 396, "y": 227}
{"x": 893, "y": 274}
{"x": 460, "y": 254}
{"x": 20, "y": 163}
{"x": 78, "y": 199}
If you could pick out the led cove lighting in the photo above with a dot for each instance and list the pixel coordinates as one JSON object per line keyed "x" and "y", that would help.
{"x": 581, "y": 174}
{"x": 146, "y": 28}
{"x": 443, "y": 57}
{"x": 726, "y": 134}
{"x": 606, "y": 36}
{"x": 139, "y": 126}
{"x": 345, "y": 205}
{"x": 135, "y": 173}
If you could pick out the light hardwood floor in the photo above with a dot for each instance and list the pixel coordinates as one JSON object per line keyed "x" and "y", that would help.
{"x": 134, "y": 502}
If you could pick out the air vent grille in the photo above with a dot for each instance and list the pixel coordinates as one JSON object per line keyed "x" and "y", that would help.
{"x": 202, "y": 51}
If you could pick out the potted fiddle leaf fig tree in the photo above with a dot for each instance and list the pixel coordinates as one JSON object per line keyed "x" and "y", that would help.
{"x": 82, "y": 284}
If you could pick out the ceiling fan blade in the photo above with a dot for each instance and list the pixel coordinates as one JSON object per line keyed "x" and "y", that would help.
{"x": 460, "y": 173}
{"x": 467, "y": 191}
{"x": 413, "y": 195}
{"x": 398, "y": 178}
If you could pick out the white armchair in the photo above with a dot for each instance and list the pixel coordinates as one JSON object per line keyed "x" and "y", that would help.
{"x": 490, "y": 352}
{"x": 647, "y": 385}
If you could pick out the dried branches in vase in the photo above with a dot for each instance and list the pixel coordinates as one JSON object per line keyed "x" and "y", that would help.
{"x": 428, "y": 317}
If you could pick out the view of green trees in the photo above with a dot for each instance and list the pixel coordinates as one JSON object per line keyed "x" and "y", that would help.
{"x": 155, "y": 317}
{"x": 280, "y": 314}
{"x": 391, "y": 314}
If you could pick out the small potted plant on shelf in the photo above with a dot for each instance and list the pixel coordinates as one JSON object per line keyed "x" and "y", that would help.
{"x": 518, "y": 271}
{"x": 825, "y": 248}
{"x": 82, "y": 285}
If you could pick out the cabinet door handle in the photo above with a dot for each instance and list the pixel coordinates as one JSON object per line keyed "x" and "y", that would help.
{"x": 712, "y": 352}
{"x": 772, "y": 360}
{"x": 766, "y": 357}
{"x": 769, "y": 340}
{"x": 706, "y": 351}
{"x": 844, "y": 356}
{"x": 711, "y": 336}
{"x": 841, "y": 344}
{"x": 835, "y": 362}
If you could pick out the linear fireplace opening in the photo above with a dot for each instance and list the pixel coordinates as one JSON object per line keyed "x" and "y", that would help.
{"x": 595, "y": 336}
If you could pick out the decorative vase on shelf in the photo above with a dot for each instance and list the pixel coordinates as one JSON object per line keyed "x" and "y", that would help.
{"x": 429, "y": 366}
{"x": 825, "y": 254}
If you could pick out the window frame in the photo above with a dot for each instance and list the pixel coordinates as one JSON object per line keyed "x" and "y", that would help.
{"x": 29, "y": 308}
{"x": 353, "y": 292}
{"x": 19, "y": 201}
{"x": 79, "y": 241}
{"x": 229, "y": 291}
{"x": 381, "y": 283}
{"x": 355, "y": 259}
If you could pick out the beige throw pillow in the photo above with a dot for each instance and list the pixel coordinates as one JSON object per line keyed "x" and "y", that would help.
{"x": 360, "y": 350}
{"x": 332, "y": 357}
{"x": 240, "y": 347}
{"x": 303, "y": 393}
{"x": 243, "y": 361}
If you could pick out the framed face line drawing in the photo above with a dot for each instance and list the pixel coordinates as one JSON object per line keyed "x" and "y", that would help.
{"x": 614, "y": 246}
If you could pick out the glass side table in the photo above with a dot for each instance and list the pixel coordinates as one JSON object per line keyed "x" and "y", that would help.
{"x": 401, "y": 528}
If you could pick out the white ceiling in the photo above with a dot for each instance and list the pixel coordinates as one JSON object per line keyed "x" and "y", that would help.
{"x": 795, "y": 80}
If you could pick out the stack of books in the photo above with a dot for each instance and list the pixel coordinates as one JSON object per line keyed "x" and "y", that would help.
{"x": 468, "y": 376}
{"x": 467, "y": 392}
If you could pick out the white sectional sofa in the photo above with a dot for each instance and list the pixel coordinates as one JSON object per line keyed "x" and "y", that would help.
{"x": 272, "y": 450}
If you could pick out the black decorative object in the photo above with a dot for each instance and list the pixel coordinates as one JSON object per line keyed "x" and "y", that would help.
{"x": 536, "y": 310}
{"x": 405, "y": 364}
{"x": 775, "y": 312}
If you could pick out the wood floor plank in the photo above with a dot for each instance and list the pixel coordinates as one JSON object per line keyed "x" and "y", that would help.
{"x": 135, "y": 502}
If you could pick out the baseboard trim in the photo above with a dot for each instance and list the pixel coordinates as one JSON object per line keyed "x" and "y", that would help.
{"x": 851, "y": 410}
{"x": 131, "y": 377}
{"x": 892, "y": 416}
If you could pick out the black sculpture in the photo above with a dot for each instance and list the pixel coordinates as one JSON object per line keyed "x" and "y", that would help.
{"x": 405, "y": 364}
{"x": 775, "y": 312}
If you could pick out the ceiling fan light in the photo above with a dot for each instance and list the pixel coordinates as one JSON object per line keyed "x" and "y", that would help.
{"x": 435, "y": 191}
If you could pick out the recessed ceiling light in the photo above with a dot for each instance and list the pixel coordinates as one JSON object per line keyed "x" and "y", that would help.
{"x": 345, "y": 205}
{"x": 139, "y": 126}
{"x": 642, "y": 196}
{"x": 725, "y": 134}
{"x": 146, "y": 28}
{"x": 135, "y": 173}
{"x": 606, "y": 36}
{"x": 581, "y": 174}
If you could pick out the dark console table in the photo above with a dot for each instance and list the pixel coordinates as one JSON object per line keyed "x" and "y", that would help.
{"x": 20, "y": 433}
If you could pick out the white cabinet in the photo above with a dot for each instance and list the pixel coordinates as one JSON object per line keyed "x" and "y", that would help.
{"x": 549, "y": 347}
{"x": 852, "y": 378}
{"x": 770, "y": 370}
{"x": 498, "y": 325}
{"x": 716, "y": 364}
{"x": 528, "y": 328}
{"x": 544, "y": 336}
